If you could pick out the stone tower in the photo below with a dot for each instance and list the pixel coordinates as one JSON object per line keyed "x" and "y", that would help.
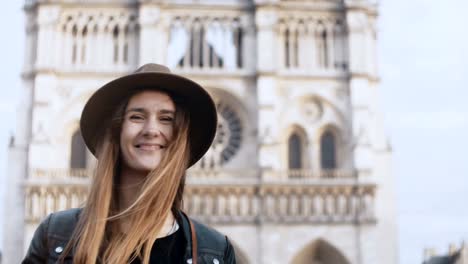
{"x": 300, "y": 168}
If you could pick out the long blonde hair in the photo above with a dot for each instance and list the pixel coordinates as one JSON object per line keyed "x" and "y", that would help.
{"x": 97, "y": 237}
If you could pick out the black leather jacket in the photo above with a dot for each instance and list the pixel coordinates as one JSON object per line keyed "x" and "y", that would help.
{"x": 54, "y": 232}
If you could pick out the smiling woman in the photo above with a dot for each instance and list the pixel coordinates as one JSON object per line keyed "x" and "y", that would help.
{"x": 145, "y": 130}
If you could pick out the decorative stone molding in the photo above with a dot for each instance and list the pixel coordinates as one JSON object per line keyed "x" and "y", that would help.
{"x": 266, "y": 19}
{"x": 307, "y": 174}
{"x": 39, "y": 133}
{"x": 48, "y": 15}
{"x": 310, "y": 203}
{"x": 149, "y": 15}
{"x": 311, "y": 109}
{"x": 61, "y": 174}
{"x": 230, "y": 201}
{"x": 43, "y": 199}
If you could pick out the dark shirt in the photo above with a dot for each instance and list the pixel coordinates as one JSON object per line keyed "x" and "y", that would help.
{"x": 168, "y": 250}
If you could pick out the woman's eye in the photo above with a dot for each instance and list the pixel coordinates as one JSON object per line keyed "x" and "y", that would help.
{"x": 136, "y": 117}
{"x": 166, "y": 119}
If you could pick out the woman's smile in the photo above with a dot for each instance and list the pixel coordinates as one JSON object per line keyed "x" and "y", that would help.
{"x": 149, "y": 146}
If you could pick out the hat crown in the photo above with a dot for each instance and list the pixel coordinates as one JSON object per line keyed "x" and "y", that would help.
{"x": 153, "y": 67}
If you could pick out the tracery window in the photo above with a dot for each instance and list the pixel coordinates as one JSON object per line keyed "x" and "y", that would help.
{"x": 309, "y": 42}
{"x": 94, "y": 38}
{"x": 206, "y": 42}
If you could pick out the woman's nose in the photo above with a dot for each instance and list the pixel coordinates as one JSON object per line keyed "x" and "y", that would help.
{"x": 151, "y": 128}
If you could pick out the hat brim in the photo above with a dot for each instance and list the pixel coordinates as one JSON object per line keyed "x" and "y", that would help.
{"x": 201, "y": 108}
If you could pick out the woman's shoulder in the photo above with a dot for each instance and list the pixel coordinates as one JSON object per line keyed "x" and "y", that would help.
{"x": 213, "y": 244}
{"x": 206, "y": 233}
{"x": 51, "y": 236}
{"x": 62, "y": 223}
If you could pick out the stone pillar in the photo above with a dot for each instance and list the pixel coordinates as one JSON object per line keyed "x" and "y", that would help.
{"x": 249, "y": 56}
{"x": 30, "y": 47}
{"x": 47, "y": 20}
{"x": 45, "y": 85}
{"x": 266, "y": 20}
{"x": 154, "y": 27}
{"x": 360, "y": 88}
{"x": 369, "y": 150}
{"x": 13, "y": 240}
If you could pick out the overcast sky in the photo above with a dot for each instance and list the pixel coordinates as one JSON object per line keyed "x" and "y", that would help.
{"x": 424, "y": 93}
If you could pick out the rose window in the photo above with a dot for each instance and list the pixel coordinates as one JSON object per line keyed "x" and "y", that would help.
{"x": 227, "y": 140}
{"x": 229, "y": 135}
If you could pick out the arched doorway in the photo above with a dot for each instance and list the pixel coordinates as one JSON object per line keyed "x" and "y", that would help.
{"x": 319, "y": 252}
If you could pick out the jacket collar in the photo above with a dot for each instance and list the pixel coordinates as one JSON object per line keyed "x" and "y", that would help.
{"x": 184, "y": 223}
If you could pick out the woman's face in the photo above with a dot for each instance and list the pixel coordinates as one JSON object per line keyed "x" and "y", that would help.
{"x": 147, "y": 129}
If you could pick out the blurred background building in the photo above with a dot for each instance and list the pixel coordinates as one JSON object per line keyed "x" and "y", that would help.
{"x": 455, "y": 255}
{"x": 299, "y": 171}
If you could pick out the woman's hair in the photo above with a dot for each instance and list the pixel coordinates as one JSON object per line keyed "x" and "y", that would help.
{"x": 98, "y": 237}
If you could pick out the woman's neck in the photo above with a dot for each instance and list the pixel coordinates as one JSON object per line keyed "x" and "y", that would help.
{"x": 129, "y": 187}
{"x": 130, "y": 184}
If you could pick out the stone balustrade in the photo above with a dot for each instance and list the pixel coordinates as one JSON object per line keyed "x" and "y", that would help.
{"x": 228, "y": 200}
{"x": 317, "y": 202}
{"x": 222, "y": 203}
{"x": 222, "y": 173}
{"x": 43, "y": 199}
{"x": 309, "y": 174}
{"x": 217, "y": 174}
{"x": 61, "y": 173}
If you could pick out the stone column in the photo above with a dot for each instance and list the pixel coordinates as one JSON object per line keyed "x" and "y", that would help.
{"x": 14, "y": 226}
{"x": 47, "y": 21}
{"x": 368, "y": 151}
{"x": 154, "y": 28}
{"x": 30, "y": 51}
{"x": 267, "y": 92}
{"x": 266, "y": 21}
{"x": 149, "y": 18}
{"x": 360, "y": 88}
{"x": 249, "y": 56}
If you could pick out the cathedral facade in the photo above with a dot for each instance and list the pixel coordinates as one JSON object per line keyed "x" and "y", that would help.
{"x": 299, "y": 171}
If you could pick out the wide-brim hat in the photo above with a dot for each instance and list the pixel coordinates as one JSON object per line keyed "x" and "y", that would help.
{"x": 198, "y": 103}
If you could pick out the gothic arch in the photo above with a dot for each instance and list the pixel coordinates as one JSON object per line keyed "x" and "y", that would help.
{"x": 319, "y": 252}
{"x": 329, "y": 139}
{"x": 78, "y": 151}
{"x": 296, "y": 132}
